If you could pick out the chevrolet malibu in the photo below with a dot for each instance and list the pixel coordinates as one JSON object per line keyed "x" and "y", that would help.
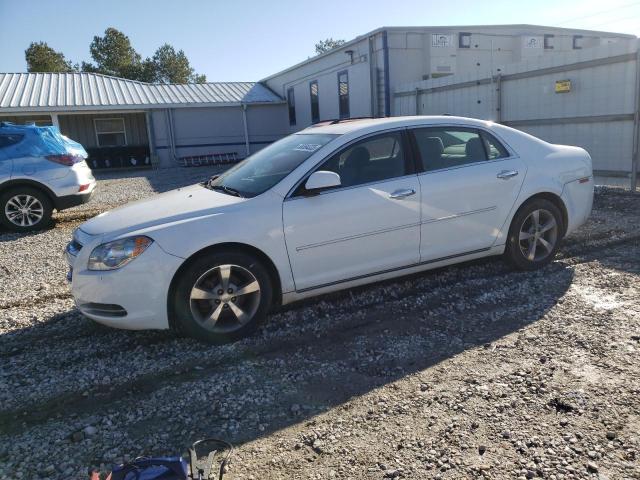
{"x": 340, "y": 204}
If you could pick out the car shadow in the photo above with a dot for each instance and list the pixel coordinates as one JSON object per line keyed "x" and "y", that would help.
{"x": 311, "y": 357}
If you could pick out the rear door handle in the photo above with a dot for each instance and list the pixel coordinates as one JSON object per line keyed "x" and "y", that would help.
{"x": 507, "y": 174}
{"x": 402, "y": 193}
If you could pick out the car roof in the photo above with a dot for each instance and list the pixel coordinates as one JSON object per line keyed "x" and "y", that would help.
{"x": 8, "y": 127}
{"x": 341, "y": 127}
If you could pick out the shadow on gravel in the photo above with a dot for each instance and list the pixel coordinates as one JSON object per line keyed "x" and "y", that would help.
{"x": 294, "y": 372}
{"x": 7, "y": 236}
{"x": 160, "y": 181}
{"x": 390, "y": 342}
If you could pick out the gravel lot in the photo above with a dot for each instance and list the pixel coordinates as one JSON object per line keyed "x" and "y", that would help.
{"x": 473, "y": 371}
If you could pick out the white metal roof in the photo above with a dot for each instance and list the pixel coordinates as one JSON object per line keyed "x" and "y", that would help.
{"x": 32, "y": 92}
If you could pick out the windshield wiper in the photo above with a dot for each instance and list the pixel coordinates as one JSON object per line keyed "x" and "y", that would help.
{"x": 225, "y": 189}
{"x": 207, "y": 183}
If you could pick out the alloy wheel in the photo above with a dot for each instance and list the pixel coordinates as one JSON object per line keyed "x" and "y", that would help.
{"x": 225, "y": 298}
{"x": 24, "y": 210}
{"x": 538, "y": 235}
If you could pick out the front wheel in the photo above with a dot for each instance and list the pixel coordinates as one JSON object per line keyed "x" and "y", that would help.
{"x": 534, "y": 235}
{"x": 25, "y": 209}
{"x": 222, "y": 297}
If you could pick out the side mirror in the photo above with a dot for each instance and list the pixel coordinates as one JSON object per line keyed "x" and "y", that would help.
{"x": 322, "y": 179}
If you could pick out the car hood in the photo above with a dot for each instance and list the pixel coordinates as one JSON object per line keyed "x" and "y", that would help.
{"x": 169, "y": 207}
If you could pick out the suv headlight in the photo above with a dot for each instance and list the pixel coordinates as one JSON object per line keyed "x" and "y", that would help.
{"x": 116, "y": 254}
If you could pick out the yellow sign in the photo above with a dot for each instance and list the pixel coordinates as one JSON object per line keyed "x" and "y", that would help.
{"x": 563, "y": 86}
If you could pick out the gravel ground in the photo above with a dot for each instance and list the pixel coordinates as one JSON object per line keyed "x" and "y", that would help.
{"x": 473, "y": 371}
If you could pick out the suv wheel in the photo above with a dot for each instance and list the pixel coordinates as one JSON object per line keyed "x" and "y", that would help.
{"x": 222, "y": 297}
{"x": 25, "y": 209}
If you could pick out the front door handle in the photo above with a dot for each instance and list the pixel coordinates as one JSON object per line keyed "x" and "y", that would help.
{"x": 402, "y": 193}
{"x": 507, "y": 174}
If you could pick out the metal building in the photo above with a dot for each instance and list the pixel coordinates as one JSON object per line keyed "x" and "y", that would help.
{"x": 359, "y": 78}
{"x": 507, "y": 73}
{"x": 123, "y": 123}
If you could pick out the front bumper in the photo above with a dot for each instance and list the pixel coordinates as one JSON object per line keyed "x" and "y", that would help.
{"x": 133, "y": 297}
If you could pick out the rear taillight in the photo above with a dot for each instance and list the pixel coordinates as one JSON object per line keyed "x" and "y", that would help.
{"x": 84, "y": 187}
{"x": 68, "y": 160}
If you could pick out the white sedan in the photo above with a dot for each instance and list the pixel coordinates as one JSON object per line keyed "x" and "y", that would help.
{"x": 340, "y": 204}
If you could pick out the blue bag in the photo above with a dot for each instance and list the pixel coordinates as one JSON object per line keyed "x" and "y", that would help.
{"x": 158, "y": 468}
{"x": 201, "y": 463}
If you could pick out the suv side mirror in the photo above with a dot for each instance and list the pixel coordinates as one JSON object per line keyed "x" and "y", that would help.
{"x": 321, "y": 180}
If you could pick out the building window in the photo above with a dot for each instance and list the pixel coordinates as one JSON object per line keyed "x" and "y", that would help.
{"x": 343, "y": 94}
{"x": 315, "y": 102}
{"x": 577, "y": 42}
{"x": 291, "y": 102}
{"x": 464, "y": 40}
{"x": 110, "y": 132}
{"x": 548, "y": 41}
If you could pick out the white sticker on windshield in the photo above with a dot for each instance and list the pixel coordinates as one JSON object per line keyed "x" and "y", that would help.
{"x": 307, "y": 147}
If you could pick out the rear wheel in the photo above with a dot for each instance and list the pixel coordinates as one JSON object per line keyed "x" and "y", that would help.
{"x": 534, "y": 235}
{"x": 25, "y": 209}
{"x": 222, "y": 297}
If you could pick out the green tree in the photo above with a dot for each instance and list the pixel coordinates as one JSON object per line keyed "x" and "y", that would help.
{"x": 328, "y": 44}
{"x": 174, "y": 67}
{"x": 114, "y": 55}
{"x": 41, "y": 57}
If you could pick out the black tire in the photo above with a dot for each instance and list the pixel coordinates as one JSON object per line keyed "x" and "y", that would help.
{"x": 517, "y": 251}
{"x": 45, "y": 209}
{"x": 205, "y": 270}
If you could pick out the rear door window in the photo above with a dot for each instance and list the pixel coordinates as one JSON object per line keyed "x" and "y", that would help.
{"x": 494, "y": 148}
{"x": 8, "y": 139}
{"x": 448, "y": 147}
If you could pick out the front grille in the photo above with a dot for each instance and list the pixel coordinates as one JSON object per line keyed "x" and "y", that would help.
{"x": 103, "y": 309}
{"x": 73, "y": 248}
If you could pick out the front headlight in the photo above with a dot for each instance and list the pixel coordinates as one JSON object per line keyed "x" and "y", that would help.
{"x": 118, "y": 253}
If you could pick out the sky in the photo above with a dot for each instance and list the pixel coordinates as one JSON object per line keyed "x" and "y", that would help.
{"x": 244, "y": 40}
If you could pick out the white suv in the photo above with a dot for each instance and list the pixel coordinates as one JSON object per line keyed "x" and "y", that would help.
{"x": 40, "y": 170}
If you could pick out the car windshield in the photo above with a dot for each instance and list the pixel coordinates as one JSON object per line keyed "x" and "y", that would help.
{"x": 262, "y": 170}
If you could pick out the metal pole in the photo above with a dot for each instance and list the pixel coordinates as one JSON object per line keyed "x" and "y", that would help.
{"x": 372, "y": 78}
{"x": 387, "y": 87}
{"x": 417, "y": 101}
{"x": 54, "y": 120}
{"x": 246, "y": 128}
{"x": 499, "y": 98}
{"x": 150, "y": 135}
{"x": 636, "y": 126}
{"x": 151, "y": 139}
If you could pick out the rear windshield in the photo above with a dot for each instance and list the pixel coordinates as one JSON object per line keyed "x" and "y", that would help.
{"x": 38, "y": 142}
{"x": 7, "y": 139}
{"x": 262, "y": 170}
